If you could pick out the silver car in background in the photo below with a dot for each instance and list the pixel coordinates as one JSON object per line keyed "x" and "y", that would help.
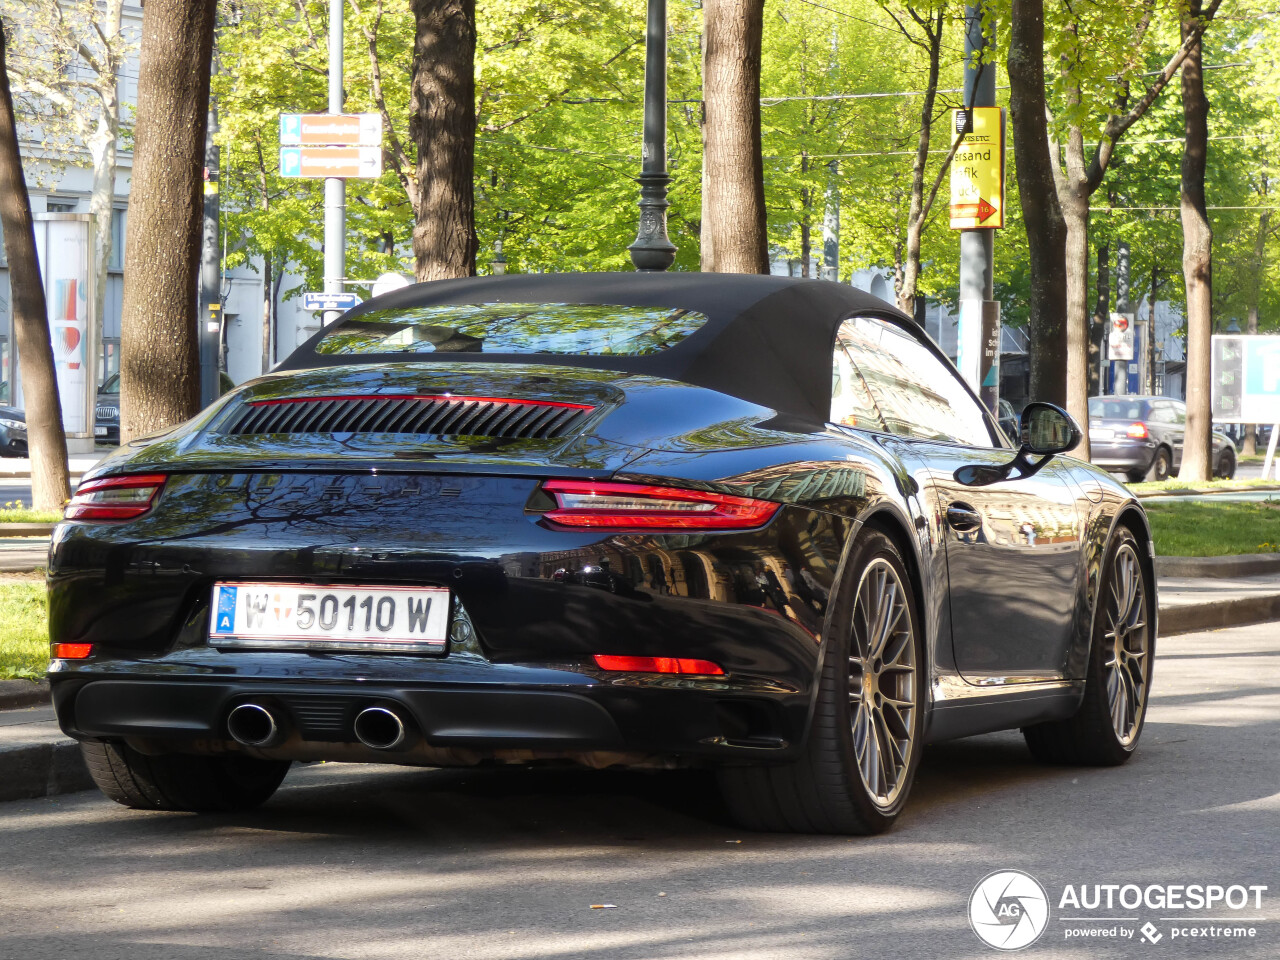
{"x": 1141, "y": 437}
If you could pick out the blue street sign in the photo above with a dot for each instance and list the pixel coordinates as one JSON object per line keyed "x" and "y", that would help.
{"x": 329, "y": 301}
{"x": 290, "y": 161}
{"x": 290, "y": 128}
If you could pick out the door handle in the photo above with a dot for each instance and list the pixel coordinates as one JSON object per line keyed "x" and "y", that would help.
{"x": 962, "y": 517}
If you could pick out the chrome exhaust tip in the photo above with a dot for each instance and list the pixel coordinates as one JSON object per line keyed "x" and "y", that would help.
{"x": 380, "y": 729}
{"x": 253, "y": 726}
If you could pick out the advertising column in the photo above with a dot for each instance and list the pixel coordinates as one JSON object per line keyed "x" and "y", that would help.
{"x": 65, "y": 247}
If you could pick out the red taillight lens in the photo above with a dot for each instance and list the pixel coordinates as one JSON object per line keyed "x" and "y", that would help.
{"x": 115, "y": 498}
{"x": 72, "y": 651}
{"x": 658, "y": 665}
{"x": 586, "y": 503}
{"x": 1138, "y": 431}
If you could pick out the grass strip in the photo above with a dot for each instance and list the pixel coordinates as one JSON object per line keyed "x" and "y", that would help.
{"x": 1212, "y": 528}
{"x": 24, "y": 630}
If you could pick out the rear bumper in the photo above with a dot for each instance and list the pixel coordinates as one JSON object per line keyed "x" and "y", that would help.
{"x": 519, "y": 712}
{"x": 1122, "y": 456}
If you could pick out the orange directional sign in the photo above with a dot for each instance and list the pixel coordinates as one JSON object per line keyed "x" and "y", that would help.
{"x": 977, "y": 170}
{"x": 336, "y": 162}
{"x": 339, "y": 129}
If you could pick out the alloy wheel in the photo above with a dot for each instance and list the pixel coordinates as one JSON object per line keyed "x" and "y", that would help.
{"x": 1127, "y": 667}
{"x": 882, "y": 683}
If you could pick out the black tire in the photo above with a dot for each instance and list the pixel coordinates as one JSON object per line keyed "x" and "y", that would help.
{"x": 176, "y": 781}
{"x": 824, "y": 791}
{"x": 1136, "y": 476}
{"x": 1226, "y": 467}
{"x": 1161, "y": 466}
{"x": 1090, "y": 737}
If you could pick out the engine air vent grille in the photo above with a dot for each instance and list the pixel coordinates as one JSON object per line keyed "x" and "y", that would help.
{"x": 439, "y": 416}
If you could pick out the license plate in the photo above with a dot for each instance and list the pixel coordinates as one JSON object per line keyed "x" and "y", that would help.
{"x": 304, "y": 616}
{"x": 99, "y": 431}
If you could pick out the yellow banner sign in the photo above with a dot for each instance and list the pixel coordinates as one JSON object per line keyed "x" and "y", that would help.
{"x": 977, "y": 170}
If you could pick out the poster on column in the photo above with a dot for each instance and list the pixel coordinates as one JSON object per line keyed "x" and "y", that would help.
{"x": 64, "y": 246}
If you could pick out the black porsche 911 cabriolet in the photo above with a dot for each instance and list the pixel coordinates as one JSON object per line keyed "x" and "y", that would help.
{"x": 752, "y": 523}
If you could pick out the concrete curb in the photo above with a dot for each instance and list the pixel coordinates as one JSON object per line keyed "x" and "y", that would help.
{"x": 1239, "y": 565}
{"x": 23, "y": 693}
{"x": 1184, "y": 492}
{"x": 26, "y": 529}
{"x": 43, "y": 770}
{"x": 1191, "y": 617}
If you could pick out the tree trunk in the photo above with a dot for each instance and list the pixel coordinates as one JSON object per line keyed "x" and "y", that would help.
{"x": 1197, "y": 248}
{"x": 806, "y": 223}
{"x": 102, "y": 148}
{"x": 1250, "y": 447}
{"x": 1101, "y": 318}
{"x": 1042, "y": 215}
{"x": 1075, "y": 213}
{"x": 733, "y": 211}
{"x": 442, "y": 109}
{"x": 46, "y": 439}
{"x": 267, "y": 299}
{"x": 160, "y": 362}
{"x": 918, "y": 209}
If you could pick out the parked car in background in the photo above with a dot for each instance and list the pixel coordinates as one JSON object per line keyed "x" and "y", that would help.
{"x": 13, "y": 432}
{"x": 1141, "y": 437}
{"x": 106, "y": 425}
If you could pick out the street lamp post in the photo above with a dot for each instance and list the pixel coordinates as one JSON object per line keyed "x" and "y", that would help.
{"x": 652, "y": 249}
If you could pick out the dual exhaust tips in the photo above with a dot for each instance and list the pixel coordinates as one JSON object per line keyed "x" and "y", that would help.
{"x": 378, "y": 728}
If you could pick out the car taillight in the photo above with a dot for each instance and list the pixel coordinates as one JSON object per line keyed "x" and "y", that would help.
{"x": 1138, "y": 431}
{"x": 587, "y": 503}
{"x": 115, "y": 498}
{"x": 72, "y": 651}
{"x": 658, "y": 665}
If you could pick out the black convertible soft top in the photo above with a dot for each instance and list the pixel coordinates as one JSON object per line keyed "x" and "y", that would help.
{"x": 767, "y": 340}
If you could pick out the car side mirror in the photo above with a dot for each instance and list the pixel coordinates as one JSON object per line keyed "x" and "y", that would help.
{"x": 1045, "y": 430}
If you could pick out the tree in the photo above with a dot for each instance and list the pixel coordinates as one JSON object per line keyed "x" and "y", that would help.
{"x": 1042, "y": 214}
{"x": 734, "y": 223}
{"x": 70, "y": 75}
{"x": 159, "y": 369}
{"x": 443, "y": 126}
{"x": 1197, "y": 250}
{"x": 50, "y": 488}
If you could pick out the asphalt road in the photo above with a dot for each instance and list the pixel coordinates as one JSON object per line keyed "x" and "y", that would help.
{"x": 352, "y": 862}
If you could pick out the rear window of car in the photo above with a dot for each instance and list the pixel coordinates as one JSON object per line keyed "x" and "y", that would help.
{"x": 1117, "y": 409}
{"x": 547, "y": 328}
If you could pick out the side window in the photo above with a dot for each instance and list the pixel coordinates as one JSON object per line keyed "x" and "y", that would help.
{"x": 1162, "y": 412}
{"x": 851, "y": 404}
{"x": 916, "y": 393}
{"x": 1179, "y": 411}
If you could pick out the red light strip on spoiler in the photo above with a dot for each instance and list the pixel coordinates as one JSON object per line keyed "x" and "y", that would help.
{"x": 444, "y": 398}
{"x": 588, "y": 503}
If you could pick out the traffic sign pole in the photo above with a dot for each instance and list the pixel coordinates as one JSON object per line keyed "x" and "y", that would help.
{"x": 335, "y": 188}
{"x": 979, "y": 330}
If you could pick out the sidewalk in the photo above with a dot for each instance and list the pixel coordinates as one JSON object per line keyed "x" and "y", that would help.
{"x": 20, "y": 467}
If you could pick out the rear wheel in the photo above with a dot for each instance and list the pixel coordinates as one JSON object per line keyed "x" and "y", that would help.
{"x": 1226, "y": 466}
{"x": 1106, "y": 728}
{"x": 175, "y": 781}
{"x": 1161, "y": 466}
{"x": 864, "y": 741}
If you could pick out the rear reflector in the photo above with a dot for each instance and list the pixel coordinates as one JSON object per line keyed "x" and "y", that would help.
{"x": 72, "y": 651}
{"x": 658, "y": 665}
{"x": 1138, "y": 431}
{"x": 115, "y": 498}
{"x": 587, "y": 503}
